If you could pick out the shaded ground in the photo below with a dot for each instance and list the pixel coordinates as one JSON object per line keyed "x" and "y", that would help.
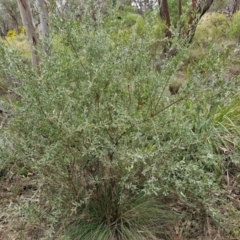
{"x": 16, "y": 192}
{"x": 19, "y": 191}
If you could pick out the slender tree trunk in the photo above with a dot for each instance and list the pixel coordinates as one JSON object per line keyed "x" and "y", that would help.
{"x": 43, "y": 20}
{"x": 27, "y": 19}
{"x": 43, "y": 28}
{"x": 165, "y": 16}
{"x": 179, "y": 9}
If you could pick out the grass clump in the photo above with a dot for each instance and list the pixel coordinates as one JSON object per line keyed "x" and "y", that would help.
{"x": 138, "y": 217}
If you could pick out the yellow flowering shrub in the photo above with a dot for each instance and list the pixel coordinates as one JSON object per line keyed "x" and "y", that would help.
{"x": 21, "y": 30}
{"x": 18, "y": 41}
{"x": 11, "y": 33}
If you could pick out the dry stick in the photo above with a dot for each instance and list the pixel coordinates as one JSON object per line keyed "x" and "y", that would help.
{"x": 147, "y": 119}
{"x": 164, "y": 108}
{"x": 161, "y": 95}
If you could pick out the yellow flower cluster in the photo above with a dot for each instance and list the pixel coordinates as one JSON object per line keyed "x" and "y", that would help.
{"x": 13, "y": 33}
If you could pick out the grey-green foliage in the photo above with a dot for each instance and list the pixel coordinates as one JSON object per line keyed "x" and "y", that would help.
{"x": 234, "y": 28}
{"x": 98, "y": 126}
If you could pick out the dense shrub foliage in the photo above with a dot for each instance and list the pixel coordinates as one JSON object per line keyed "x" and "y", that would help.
{"x": 115, "y": 154}
{"x": 234, "y": 28}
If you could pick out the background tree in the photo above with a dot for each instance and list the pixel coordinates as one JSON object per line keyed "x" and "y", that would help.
{"x": 43, "y": 25}
{"x": 27, "y": 19}
{"x": 143, "y": 5}
{"x": 9, "y": 16}
{"x": 231, "y": 7}
{"x": 193, "y": 15}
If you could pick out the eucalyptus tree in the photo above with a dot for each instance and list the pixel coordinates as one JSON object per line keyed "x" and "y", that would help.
{"x": 9, "y": 16}
{"x": 30, "y": 27}
{"x": 27, "y": 19}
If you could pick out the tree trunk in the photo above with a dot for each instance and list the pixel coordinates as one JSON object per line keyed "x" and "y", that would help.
{"x": 27, "y": 19}
{"x": 179, "y": 9}
{"x": 165, "y": 16}
{"x": 198, "y": 9}
{"x": 43, "y": 28}
{"x": 43, "y": 31}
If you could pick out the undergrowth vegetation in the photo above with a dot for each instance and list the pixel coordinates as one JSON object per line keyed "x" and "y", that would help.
{"x": 113, "y": 154}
